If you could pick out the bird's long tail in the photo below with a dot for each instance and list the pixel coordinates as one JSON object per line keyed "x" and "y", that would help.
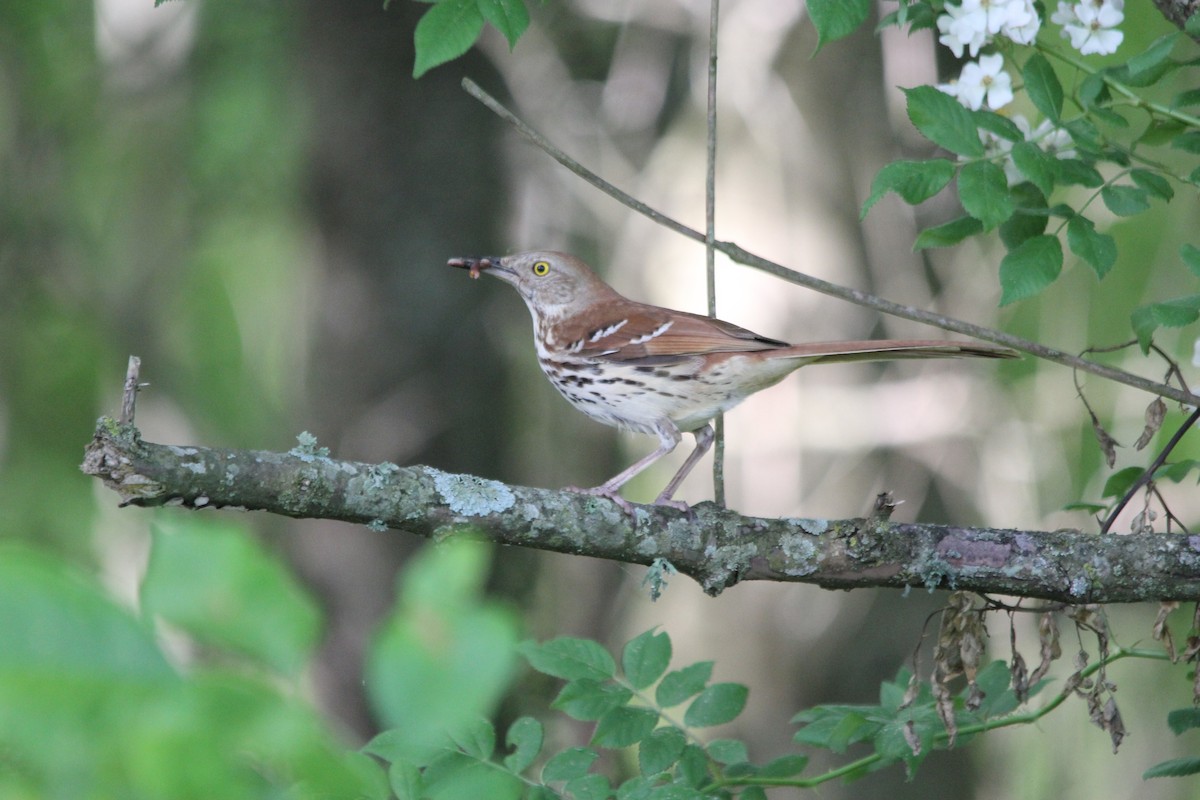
{"x": 888, "y": 349}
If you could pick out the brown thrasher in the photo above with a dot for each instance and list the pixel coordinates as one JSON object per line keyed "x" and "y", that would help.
{"x": 653, "y": 370}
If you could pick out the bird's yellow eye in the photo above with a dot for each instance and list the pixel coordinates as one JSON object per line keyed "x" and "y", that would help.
{"x": 541, "y": 268}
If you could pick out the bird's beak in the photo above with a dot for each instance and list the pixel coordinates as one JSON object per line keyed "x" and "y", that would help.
{"x": 477, "y": 265}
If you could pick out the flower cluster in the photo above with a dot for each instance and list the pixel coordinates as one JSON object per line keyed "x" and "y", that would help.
{"x": 1091, "y": 25}
{"x": 1055, "y": 141}
{"x": 974, "y": 23}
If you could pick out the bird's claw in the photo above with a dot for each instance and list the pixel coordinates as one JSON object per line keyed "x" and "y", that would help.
{"x": 628, "y": 507}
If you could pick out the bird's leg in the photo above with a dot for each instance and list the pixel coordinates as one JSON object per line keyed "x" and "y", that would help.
{"x": 668, "y": 440}
{"x": 704, "y": 440}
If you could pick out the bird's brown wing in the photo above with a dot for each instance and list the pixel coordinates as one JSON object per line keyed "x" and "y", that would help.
{"x": 628, "y": 331}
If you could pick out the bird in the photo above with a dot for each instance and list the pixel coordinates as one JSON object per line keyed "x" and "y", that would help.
{"x": 653, "y": 370}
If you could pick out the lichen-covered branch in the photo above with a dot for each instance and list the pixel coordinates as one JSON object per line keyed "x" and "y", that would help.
{"x": 717, "y": 547}
{"x": 1178, "y": 11}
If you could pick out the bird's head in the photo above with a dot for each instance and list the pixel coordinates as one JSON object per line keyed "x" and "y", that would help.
{"x": 551, "y": 283}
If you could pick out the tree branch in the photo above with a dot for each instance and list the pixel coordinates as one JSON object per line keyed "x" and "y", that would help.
{"x": 1178, "y": 11}
{"x": 716, "y": 547}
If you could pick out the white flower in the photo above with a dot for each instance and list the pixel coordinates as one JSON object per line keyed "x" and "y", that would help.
{"x": 1065, "y": 15}
{"x": 983, "y": 80}
{"x": 963, "y": 26}
{"x": 1090, "y": 25}
{"x": 1023, "y": 22}
{"x": 997, "y": 147}
{"x": 972, "y": 24}
{"x": 1055, "y": 141}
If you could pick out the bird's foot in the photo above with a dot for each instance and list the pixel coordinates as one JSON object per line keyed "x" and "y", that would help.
{"x": 628, "y": 507}
{"x": 604, "y": 491}
{"x": 678, "y": 505}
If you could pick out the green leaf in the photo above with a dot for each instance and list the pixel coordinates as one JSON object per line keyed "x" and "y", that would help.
{"x": 524, "y": 738}
{"x": 1085, "y": 136}
{"x": 835, "y": 19}
{"x": 1191, "y": 257}
{"x": 1091, "y": 508}
{"x": 716, "y": 705}
{"x": 1120, "y": 481}
{"x": 1093, "y": 91}
{"x": 1183, "y": 719}
{"x": 1077, "y": 172}
{"x": 588, "y": 787}
{"x": 1188, "y": 142}
{"x": 983, "y": 191}
{"x": 510, "y": 17}
{"x": 943, "y": 120}
{"x": 1172, "y": 313}
{"x": 645, "y": 658}
{"x": 404, "y": 778}
{"x": 445, "y": 32}
{"x": 1099, "y": 250}
{"x": 727, "y": 751}
{"x": 1154, "y": 55}
{"x": 1175, "y": 768}
{"x": 1109, "y": 117}
{"x": 1037, "y": 165}
{"x": 915, "y": 181}
{"x": 1030, "y": 268}
{"x": 1177, "y": 312}
{"x": 1177, "y": 472}
{"x": 1030, "y": 218}
{"x": 1192, "y": 26}
{"x": 784, "y": 766}
{"x": 1160, "y": 132}
{"x": 660, "y": 750}
{"x": 570, "y": 658}
{"x": 948, "y": 233}
{"x": 455, "y": 776}
{"x": 680, "y": 684}
{"x": 569, "y": 764}
{"x": 59, "y": 626}
{"x": 1185, "y": 99}
{"x": 444, "y": 657}
{"x": 1153, "y": 183}
{"x": 477, "y": 739}
{"x": 624, "y": 726}
{"x": 693, "y": 767}
{"x": 1043, "y": 86}
{"x": 217, "y": 583}
{"x": 1000, "y": 125}
{"x": 1124, "y": 201}
{"x": 586, "y": 699}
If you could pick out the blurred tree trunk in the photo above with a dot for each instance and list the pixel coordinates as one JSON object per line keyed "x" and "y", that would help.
{"x": 401, "y": 367}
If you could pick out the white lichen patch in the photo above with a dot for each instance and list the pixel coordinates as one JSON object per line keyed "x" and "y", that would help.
{"x": 378, "y": 474}
{"x": 197, "y": 467}
{"x": 816, "y": 527}
{"x": 800, "y": 554}
{"x": 182, "y": 451}
{"x": 472, "y": 496}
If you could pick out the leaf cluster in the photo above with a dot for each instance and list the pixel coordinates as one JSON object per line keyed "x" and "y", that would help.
{"x": 633, "y": 706}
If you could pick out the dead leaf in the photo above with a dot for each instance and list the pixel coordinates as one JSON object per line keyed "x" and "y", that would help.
{"x": 1108, "y": 445}
{"x": 1155, "y": 412}
{"x": 1161, "y": 631}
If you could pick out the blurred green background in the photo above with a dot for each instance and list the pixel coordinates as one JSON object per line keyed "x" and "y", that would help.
{"x": 258, "y": 200}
